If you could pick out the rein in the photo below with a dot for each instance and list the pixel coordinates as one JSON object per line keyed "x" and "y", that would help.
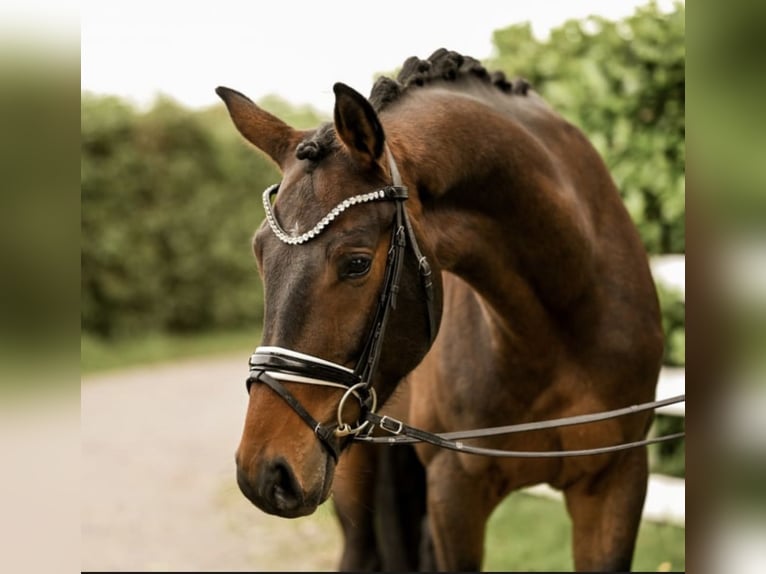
{"x": 405, "y": 434}
{"x": 273, "y": 365}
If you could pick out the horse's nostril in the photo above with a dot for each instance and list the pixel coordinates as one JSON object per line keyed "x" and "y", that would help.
{"x": 273, "y": 487}
{"x": 285, "y": 488}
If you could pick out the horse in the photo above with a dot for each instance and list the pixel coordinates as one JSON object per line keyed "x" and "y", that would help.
{"x": 454, "y": 251}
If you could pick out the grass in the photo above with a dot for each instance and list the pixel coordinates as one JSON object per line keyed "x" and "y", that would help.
{"x": 97, "y": 355}
{"x": 527, "y": 533}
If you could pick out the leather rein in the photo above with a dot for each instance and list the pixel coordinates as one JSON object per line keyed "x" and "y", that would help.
{"x": 273, "y": 366}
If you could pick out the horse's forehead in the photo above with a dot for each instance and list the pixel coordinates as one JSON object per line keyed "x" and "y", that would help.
{"x": 300, "y": 202}
{"x": 296, "y": 195}
{"x": 308, "y": 192}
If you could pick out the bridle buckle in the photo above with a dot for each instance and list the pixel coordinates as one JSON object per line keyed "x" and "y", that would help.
{"x": 392, "y": 425}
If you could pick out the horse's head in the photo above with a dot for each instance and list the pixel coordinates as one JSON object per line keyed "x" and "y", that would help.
{"x": 326, "y": 256}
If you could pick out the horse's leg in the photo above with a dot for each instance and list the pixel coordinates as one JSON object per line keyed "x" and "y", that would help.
{"x": 606, "y": 513}
{"x": 426, "y": 554}
{"x": 400, "y": 508}
{"x": 379, "y": 497}
{"x": 353, "y": 498}
{"x": 458, "y": 508}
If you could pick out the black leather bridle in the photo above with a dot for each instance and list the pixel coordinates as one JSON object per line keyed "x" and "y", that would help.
{"x": 272, "y": 365}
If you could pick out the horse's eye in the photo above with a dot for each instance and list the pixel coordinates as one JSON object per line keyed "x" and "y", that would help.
{"x": 356, "y": 266}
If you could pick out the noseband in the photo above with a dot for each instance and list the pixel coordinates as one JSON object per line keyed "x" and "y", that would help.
{"x": 275, "y": 365}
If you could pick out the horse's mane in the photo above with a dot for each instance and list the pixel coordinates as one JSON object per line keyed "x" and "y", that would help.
{"x": 441, "y": 66}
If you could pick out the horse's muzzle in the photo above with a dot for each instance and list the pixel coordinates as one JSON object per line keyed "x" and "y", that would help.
{"x": 274, "y": 488}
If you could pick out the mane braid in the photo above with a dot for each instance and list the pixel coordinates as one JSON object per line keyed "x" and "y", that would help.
{"x": 318, "y": 144}
{"x": 442, "y": 65}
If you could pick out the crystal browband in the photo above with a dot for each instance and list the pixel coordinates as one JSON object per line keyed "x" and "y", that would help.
{"x": 386, "y": 193}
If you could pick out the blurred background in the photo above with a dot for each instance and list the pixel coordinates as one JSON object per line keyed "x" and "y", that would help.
{"x": 169, "y": 293}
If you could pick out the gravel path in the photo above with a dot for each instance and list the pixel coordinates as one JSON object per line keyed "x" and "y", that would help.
{"x": 158, "y": 484}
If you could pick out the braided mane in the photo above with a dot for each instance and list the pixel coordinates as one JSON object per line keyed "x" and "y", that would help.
{"x": 442, "y": 65}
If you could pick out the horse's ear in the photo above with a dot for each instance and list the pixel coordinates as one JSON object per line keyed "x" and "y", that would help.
{"x": 357, "y": 125}
{"x": 265, "y": 131}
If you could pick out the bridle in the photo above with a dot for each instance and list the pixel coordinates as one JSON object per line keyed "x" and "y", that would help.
{"x": 273, "y": 366}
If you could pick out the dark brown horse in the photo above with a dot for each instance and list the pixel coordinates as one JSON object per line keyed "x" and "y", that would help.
{"x": 540, "y": 290}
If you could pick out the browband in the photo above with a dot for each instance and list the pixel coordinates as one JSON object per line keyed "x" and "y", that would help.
{"x": 391, "y": 192}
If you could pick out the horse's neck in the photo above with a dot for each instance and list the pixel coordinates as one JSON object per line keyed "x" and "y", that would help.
{"x": 496, "y": 204}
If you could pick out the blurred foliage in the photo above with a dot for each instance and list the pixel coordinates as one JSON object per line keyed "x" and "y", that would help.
{"x": 170, "y": 201}
{"x": 39, "y": 211}
{"x": 727, "y": 112}
{"x": 729, "y": 142}
{"x": 670, "y": 457}
{"x": 623, "y": 83}
{"x": 673, "y": 309}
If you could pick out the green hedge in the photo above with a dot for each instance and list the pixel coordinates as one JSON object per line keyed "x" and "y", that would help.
{"x": 170, "y": 200}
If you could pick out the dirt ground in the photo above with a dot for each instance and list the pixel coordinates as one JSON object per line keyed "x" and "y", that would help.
{"x": 158, "y": 483}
